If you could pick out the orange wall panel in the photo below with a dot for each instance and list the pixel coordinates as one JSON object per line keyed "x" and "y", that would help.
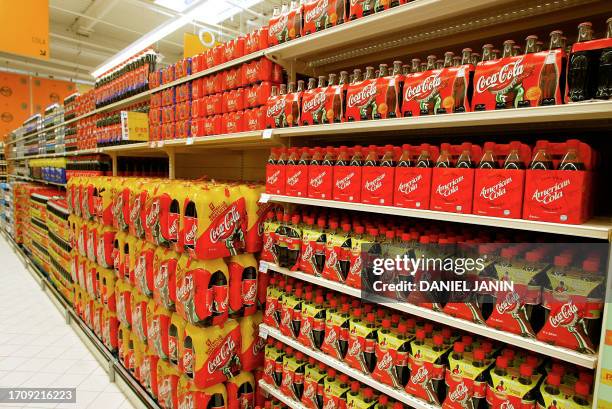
{"x": 14, "y": 101}
{"x": 46, "y": 92}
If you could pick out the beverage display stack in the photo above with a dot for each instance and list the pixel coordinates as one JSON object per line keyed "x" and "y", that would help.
{"x": 221, "y": 263}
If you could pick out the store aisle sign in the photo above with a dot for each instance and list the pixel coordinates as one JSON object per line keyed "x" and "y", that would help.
{"x": 194, "y": 44}
{"x": 134, "y": 126}
{"x": 24, "y": 28}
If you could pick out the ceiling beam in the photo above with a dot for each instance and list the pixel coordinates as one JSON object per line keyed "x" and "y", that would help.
{"x": 80, "y": 40}
{"x": 109, "y": 24}
{"x": 50, "y": 76}
{"x": 42, "y": 68}
{"x": 106, "y": 7}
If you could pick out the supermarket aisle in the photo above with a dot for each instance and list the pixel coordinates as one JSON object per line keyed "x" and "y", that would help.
{"x": 37, "y": 348}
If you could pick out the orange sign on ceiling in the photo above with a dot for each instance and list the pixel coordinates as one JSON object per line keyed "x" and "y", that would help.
{"x": 24, "y": 28}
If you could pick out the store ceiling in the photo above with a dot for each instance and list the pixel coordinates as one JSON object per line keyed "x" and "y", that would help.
{"x": 85, "y": 33}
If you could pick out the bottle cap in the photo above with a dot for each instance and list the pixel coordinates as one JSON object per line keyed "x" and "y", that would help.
{"x": 371, "y": 317}
{"x": 479, "y": 354}
{"x": 582, "y": 388}
{"x": 591, "y": 265}
{"x": 344, "y": 378}
{"x": 553, "y": 379}
{"x": 586, "y": 377}
{"x": 401, "y": 328}
{"x": 438, "y": 340}
{"x": 420, "y": 334}
{"x": 331, "y": 372}
{"x": 459, "y": 347}
{"x": 526, "y": 370}
{"x": 501, "y": 362}
{"x": 558, "y": 368}
{"x": 312, "y": 361}
{"x": 355, "y": 386}
{"x": 467, "y": 340}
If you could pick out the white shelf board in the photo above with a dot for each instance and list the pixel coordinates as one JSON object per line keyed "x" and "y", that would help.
{"x": 564, "y": 354}
{"x": 292, "y": 403}
{"x": 398, "y": 394}
{"x": 596, "y": 228}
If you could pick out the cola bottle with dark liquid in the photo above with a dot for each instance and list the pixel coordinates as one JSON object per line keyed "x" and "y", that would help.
{"x": 319, "y": 255}
{"x": 295, "y": 105}
{"x": 318, "y": 325}
{"x": 581, "y": 394}
{"x": 343, "y": 338}
{"x": 402, "y": 369}
{"x": 278, "y": 364}
{"x": 460, "y": 83}
{"x": 541, "y": 160}
{"x": 173, "y": 344}
{"x": 478, "y": 361}
{"x": 296, "y": 316}
{"x": 188, "y": 356}
{"x": 219, "y": 288}
{"x": 372, "y": 156}
{"x": 428, "y": 108}
{"x": 321, "y": 386}
{"x": 245, "y": 395}
{"x": 604, "y": 72}
{"x": 369, "y": 350}
{"x": 439, "y": 386}
{"x": 298, "y": 377}
{"x": 513, "y": 160}
{"x": 582, "y": 68}
{"x": 388, "y": 159}
{"x": 551, "y": 387}
{"x": 444, "y": 160}
{"x": 391, "y": 98}
{"x": 216, "y": 402}
{"x": 571, "y": 160}
{"x": 344, "y": 262}
{"x": 405, "y": 161}
{"x": 190, "y": 226}
{"x": 549, "y": 77}
{"x": 488, "y": 160}
{"x": 293, "y": 232}
{"x": 281, "y": 242}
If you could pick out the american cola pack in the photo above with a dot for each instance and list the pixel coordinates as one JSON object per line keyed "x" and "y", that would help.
{"x": 377, "y": 177}
{"x": 452, "y": 181}
{"x": 439, "y": 89}
{"x": 520, "y": 80}
{"x": 499, "y": 181}
{"x": 413, "y": 176}
{"x": 558, "y": 183}
{"x": 590, "y": 65}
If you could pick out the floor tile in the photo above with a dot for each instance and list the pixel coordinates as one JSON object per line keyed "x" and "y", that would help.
{"x": 108, "y": 400}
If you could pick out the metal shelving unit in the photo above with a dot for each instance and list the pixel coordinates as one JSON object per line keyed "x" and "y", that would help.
{"x": 564, "y": 354}
{"x": 271, "y": 390}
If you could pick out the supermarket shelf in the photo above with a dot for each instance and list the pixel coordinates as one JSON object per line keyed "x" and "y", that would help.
{"x": 271, "y": 390}
{"x": 144, "y": 95}
{"x": 596, "y": 228}
{"x": 548, "y": 115}
{"x": 564, "y": 354}
{"x": 29, "y": 179}
{"x": 126, "y": 382}
{"x": 400, "y": 395}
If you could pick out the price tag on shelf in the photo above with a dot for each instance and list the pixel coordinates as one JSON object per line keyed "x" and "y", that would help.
{"x": 263, "y": 267}
{"x": 264, "y": 198}
{"x": 189, "y": 141}
{"x": 267, "y": 134}
{"x": 152, "y": 144}
{"x": 263, "y": 333}
{"x": 160, "y": 144}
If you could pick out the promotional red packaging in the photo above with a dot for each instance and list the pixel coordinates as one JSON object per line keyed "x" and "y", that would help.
{"x": 198, "y": 63}
{"x": 347, "y": 175}
{"x": 360, "y": 8}
{"x": 377, "y": 175}
{"x": 297, "y": 172}
{"x": 257, "y": 95}
{"x": 156, "y": 100}
{"x": 275, "y": 110}
{"x": 452, "y": 184}
{"x": 261, "y": 70}
{"x": 558, "y": 183}
{"x": 233, "y": 49}
{"x": 168, "y": 96}
{"x": 254, "y": 119}
{"x": 519, "y": 81}
{"x": 373, "y": 98}
{"x": 232, "y": 79}
{"x": 321, "y": 14}
{"x": 413, "y": 176}
{"x": 183, "y": 92}
{"x": 276, "y": 172}
{"x": 313, "y": 103}
{"x": 234, "y": 100}
{"x": 293, "y": 101}
{"x": 214, "y": 125}
{"x": 197, "y": 88}
{"x": 209, "y": 84}
{"x": 321, "y": 172}
{"x": 437, "y": 91}
{"x": 214, "y": 104}
{"x": 285, "y": 26}
{"x": 234, "y": 122}
{"x": 499, "y": 180}
{"x": 197, "y": 127}
{"x": 195, "y": 108}
{"x": 214, "y": 56}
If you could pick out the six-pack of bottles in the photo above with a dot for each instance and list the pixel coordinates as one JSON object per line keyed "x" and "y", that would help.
{"x": 182, "y": 315}
{"x": 556, "y": 295}
{"x": 551, "y": 182}
{"x": 469, "y": 82}
{"x": 230, "y": 101}
{"x": 428, "y": 361}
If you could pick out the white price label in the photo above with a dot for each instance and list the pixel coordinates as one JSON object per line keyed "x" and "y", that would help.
{"x": 189, "y": 141}
{"x": 264, "y": 198}
{"x": 263, "y": 333}
{"x": 160, "y": 144}
{"x": 263, "y": 267}
{"x": 152, "y": 145}
{"x": 267, "y": 134}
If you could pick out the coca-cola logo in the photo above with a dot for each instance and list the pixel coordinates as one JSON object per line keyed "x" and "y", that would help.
{"x": 251, "y": 71}
{"x": 449, "y": 188}
{"x": 509, "y": 304}
{"x": 273, "y": 178}
{"x": 459, "y": 394}
{"x": 173, "y": 228}
{"x": 276, "y": 109}
{"x": 154, "y": 330}
{"x": 345, "y": 181}
{"x": 566, "y": 316}
{"x": 313, "y": 104}
{"x": 424, "y": 88}
{"x": 331, "y": 337}
{"x": 495, "y": 191}
{"x": 186, "y": 402}
{"x": 307, "y": 252}
{"x": 310, "y": 391}
{"x": 223, "y": 355}
{"x": 330, "y": 404}
{"x": 117, "y": 205}
{"x": 249, "y": 296}
{"x": 362, "y": 96}
{"x": 410, "y": 185}
{"x": 269, "y": 367}
{"x": 318, "y": 179}
{"x": 331, "y": 259}
{"x": 278, "y": 26}
{"x": 356, "y": 266}
{"x": 420, "y": 376}
{"x": 231, "y": 77}
{"x": 270, "y": 309}
{"x": 135, "y": 211}
{"x": 550, "y": 194}
{"x": 506, "y": 405}
{"x": 185, "y": 291}
{"x": 376, "y": 183}
{"x": 191, "y": 234}
{"x": 355, "y": 349}
{"x": 502, "y": 78}
{"x": 293, "y": 179}
{"x": 224, "y": 229}
{"x": 385, "y": 362}
{"x": 316, "y": 11}
{"x": 140, "y": 268}
{"x": 258, "y": 345}
{"x": 161, "y": 278}
{"x": 306, "y": 327}
{"x": 165, "y": 389}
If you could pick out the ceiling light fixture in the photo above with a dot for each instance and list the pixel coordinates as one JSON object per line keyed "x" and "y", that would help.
{"x": 207, "y": 11}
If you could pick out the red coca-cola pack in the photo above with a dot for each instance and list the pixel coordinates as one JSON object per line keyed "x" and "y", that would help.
{"x": 413, "y": 176}
{"x": 452, "y": 182}
{"x": 516, "y": 81}
{"x": 558, "y": 185}
{"x": 285, "y": 25}
{"x": 438, "y": 90}
{"x": 500, "y": 180}
{"x": 372, "y": 98}
{"x": 321, "y": 14}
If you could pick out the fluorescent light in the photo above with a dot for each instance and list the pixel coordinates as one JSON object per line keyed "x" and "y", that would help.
{"x": 176, "y": 5}
{"x": 209, "y": 11}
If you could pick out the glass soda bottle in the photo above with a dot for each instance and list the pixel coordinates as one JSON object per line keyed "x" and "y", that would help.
{"x": 581, "y": 68}
{"x": 604, "y": 72}
{"x": 541, "y": 159}
{"x": 549, "y": 77}
{"x": 571, "y": 160}
{"x": 488, "y": 160}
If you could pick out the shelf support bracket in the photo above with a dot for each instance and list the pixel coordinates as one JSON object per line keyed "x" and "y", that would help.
{"x": 171, "y": 162}
{"x": 113, "y": 157}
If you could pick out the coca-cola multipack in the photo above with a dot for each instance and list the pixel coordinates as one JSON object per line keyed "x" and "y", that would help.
{"x": 590, "y": 66}
{"x": 504, "y": 180}
{"x": 519, "y": 80}
{"x": 285, "y": 23}
{"x": 322, "y": 14}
